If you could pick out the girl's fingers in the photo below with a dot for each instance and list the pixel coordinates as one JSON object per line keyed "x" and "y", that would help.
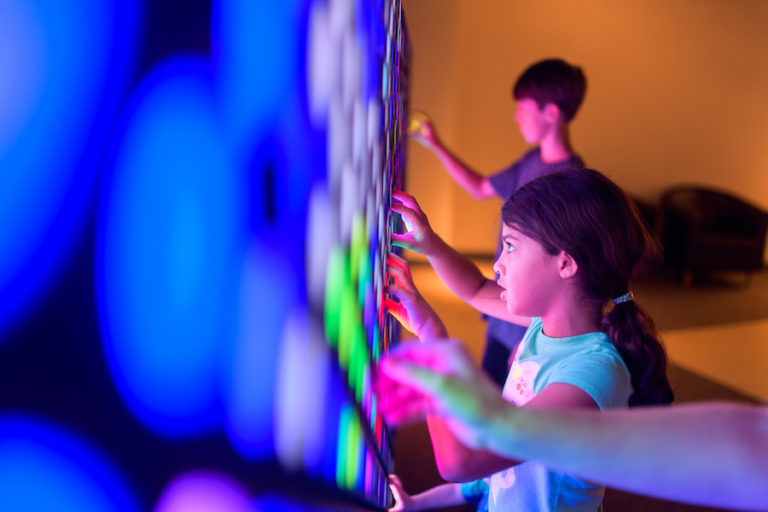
{"x": 402, "y": 276}
{"x": 405, "y": 241}
{"x": 398, "y": 311}
{"x": 410, "y": 217}
{"x": 398, "y": 261}
{"x": 405, "y": 198}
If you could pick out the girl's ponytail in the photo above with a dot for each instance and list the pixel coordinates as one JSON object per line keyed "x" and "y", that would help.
{"x": 634, "y": 335}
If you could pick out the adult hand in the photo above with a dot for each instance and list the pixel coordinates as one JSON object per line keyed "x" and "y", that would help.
{"x": 439, "y": 378}
{"x": 419, "y": 235}
{"x": 410, "y": 309}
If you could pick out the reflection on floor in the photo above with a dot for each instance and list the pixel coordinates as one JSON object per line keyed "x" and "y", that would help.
{"x": 734, "y": 355}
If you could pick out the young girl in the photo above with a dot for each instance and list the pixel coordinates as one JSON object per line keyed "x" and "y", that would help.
{"x": 572, "y": 242}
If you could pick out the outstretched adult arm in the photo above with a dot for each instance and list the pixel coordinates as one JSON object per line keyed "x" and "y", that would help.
{"x": 712, "y": 454}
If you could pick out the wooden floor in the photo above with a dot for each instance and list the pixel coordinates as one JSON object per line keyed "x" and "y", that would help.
{"x": 734, "y": 355}
{"x": 711, "y": 358}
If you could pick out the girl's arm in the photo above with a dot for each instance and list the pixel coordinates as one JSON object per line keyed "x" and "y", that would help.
{"x": 458, "y": 273}
{"x": 445, "y": 495}
{"x": 712, "y": 454}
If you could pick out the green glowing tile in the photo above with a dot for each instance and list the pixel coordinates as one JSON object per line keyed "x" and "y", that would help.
{"x": 353, "y": 441}
{"x": 342, "y": 451}
{"x": 357, "y": 244}
{"x": 336, "y": 273}
{"x": 349, "y": 317}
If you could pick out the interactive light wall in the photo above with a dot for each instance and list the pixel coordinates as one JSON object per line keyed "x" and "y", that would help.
{"x": 193, "y": 300}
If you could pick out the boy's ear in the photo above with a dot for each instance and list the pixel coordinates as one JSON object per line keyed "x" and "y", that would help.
{"x": 551, "y": 112}
{"x": 567, "y": 265}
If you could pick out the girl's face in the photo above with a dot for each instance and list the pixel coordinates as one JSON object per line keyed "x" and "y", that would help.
{"x": 529, "y": 275}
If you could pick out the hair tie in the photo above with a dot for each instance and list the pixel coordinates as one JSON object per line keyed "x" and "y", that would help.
{"x": 624, "y": 298}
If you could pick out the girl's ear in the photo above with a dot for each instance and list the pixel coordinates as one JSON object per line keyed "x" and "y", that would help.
{"x": 567, "y": 265}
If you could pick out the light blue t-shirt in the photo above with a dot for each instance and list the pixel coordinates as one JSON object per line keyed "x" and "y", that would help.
{"x": 589, "y": 362}
{"x": 476, "y": 493}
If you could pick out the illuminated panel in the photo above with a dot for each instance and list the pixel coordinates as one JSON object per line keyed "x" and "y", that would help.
{"x": 169, "y": 253}
{"x": 355, "y": 92}
{"x": 43, "y": 467}
{"x": 64, "y": 67}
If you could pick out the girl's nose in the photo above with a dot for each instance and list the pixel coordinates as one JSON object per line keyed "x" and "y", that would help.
{"x": 497, "y": 267}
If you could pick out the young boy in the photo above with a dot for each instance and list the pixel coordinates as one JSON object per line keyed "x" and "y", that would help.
{"x": 548, "y": 95}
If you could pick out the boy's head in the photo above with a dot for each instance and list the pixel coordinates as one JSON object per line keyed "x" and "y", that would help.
{"x": 553, "y": 81}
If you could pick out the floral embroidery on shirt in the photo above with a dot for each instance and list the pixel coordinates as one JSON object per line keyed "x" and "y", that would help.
{"x": 520, "y": 387}
{"x": 501, "y": 480}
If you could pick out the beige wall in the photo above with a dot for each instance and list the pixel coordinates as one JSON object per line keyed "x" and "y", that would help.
{"x": 677, "y": 92}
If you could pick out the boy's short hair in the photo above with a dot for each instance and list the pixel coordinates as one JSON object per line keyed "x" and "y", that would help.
{"x": 553, "y": 81}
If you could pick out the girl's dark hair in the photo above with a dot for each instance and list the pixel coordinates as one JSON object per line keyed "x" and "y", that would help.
{"x": 586, "y": 215}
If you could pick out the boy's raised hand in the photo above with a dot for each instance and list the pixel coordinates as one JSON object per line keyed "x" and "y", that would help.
{"x": 421, "y": 129}
{"x": 419, "y": 235}
{"x": 410, "y": 309}
{"x": 415, "y": 380}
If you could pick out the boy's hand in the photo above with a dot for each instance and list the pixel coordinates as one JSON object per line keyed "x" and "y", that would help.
{"x": 415, "y": 380}
{"x": 410, "y": 309}
{"x": 403, "y": 500}
{"x": 419, "y": 235}
{"x": 421, "y": 129}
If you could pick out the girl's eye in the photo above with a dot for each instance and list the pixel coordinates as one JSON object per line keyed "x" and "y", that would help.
{"x": 509, "y": 247}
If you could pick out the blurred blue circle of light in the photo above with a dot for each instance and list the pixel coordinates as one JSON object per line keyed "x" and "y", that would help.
{"x": 65, "y": 66}
{"x": 169, "y": 244}
{"x": 256, "y": 51}
{"x": 250, "y": 377}
{"x": 43, "y": 467}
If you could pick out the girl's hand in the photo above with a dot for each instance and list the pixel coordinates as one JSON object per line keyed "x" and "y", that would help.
{"x": 410, "y": 309}
{"x": 415, "y": 380}
{"x": 403, "y": 500}
{"x": 419, "y": 235}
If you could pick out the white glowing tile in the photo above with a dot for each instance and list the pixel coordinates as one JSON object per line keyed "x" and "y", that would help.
{"x": 322, "y": 234}
{"x": 341, "y": 15}
{"x": 323, "y": 64}
{"x": 359, "y": 132}
{"x": 339, "y": 141}
{"x": 347, "y": 202}
{"x": 303, "y": 365}
{"x": 374, "y": 126}
{"x": 370, "y": 214}
{"x": 351, "y": 70}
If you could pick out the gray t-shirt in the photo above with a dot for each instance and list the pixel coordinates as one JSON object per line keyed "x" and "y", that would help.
{"x": 528, "y": 168}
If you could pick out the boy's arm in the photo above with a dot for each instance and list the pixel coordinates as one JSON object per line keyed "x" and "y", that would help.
{"x": 477, "y": 185}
